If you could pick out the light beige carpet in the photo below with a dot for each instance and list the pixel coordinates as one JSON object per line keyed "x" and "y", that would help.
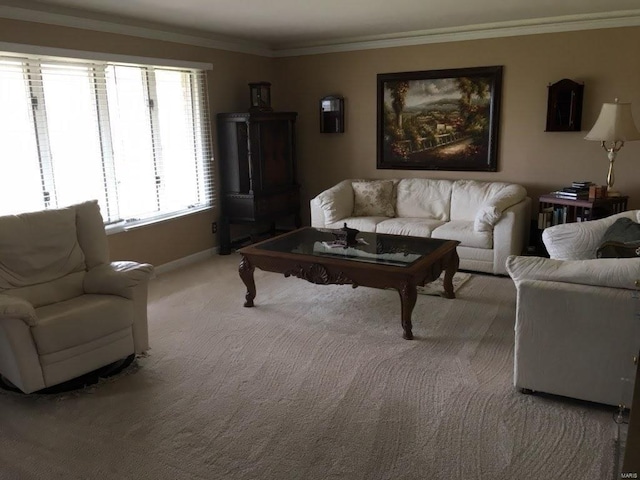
{"x": 313, "y": 383}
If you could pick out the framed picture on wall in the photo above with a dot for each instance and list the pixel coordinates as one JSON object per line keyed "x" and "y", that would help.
{"x": 439, "y": 119}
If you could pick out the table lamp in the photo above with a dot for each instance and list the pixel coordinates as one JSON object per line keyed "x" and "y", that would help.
{"x": 614, "y": 126}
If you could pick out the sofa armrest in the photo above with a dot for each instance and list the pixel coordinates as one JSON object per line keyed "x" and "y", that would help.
{"x": 15, "y": 307}
{"x": 117, "y": 278}
{"x": 332, "y": 205}
{"x": 604, "y": 272}
{"x": 510, "y": 234}
{"x": 580, "y": 240}
{"x": 491, "y": 211}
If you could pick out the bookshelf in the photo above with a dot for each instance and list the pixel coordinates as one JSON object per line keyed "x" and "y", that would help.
{"x": 554, "y": 210}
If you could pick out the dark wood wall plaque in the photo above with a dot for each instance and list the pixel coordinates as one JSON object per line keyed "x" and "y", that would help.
{"x": 564, "y": 106}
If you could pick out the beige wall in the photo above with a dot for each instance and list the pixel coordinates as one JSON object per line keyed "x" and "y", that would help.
{"x": 605, "y": 60}
{"x": 228, "y": 92}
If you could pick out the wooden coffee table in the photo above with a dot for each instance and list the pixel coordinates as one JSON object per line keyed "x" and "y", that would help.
{"x": 378, "y": 260}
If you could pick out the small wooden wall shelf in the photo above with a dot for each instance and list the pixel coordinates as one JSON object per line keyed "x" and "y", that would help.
{"x": 564, "y": 106}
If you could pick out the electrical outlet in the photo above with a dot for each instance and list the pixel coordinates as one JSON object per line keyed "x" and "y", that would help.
{"x": 214, "y": 227}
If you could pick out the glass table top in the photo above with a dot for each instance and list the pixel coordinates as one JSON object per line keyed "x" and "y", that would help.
{"x": 396, "y": 250}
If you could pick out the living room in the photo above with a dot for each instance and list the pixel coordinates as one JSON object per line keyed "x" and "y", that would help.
{"x": 540, "y": 161}
{"x": 596, "y": 50}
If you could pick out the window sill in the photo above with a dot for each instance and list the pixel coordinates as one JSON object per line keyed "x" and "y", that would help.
{"x": 129, "y": 226}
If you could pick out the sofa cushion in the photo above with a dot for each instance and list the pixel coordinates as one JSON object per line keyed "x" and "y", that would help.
{"x": 483, "y": 202}
{"x": 38, "y": 247}
{"x": 57, "y": 290}
{"x": 621, "y": 240}
{"x": 373, "y": 198}
{"x": 463, "y": 231}
{"x": 364, "y": 224}
{"x": 424, "y": 198}
{"x": 80, "y": 320}
{"x": 416, "y": 227}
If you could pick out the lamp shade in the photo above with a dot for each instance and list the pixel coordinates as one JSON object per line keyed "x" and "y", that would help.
{"x": 614, "y": 124}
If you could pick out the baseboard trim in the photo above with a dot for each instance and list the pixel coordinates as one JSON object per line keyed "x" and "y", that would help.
{"x": 184, "y": 261}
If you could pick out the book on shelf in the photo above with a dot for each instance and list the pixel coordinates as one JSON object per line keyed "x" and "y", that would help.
{"x": 544, "y": 218}
{"x": 559, "y": 215}
{"x": 571, "y": 195}
{"x": 577, "y": 191}
{"x": 584, "y": 215}
{"x": 581, "y": 184}
{"x": 574, "y": 190}
{"x": 550, "y": 216}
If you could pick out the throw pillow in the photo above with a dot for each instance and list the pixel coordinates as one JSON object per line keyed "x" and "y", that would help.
{"x": 621, "y": 240}
{"x": 373, "y": 199}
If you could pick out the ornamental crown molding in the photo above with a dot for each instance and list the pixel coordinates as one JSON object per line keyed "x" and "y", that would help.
{"x": 618, "y": 19}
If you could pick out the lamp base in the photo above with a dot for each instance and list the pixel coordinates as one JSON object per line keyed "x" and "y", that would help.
{"x": 613, "y": 193}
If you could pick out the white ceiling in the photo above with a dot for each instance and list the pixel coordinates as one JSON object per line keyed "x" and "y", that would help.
{"x": 289, "y": 24}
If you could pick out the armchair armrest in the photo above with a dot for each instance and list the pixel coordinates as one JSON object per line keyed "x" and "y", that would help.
{"x": 15, "y": 307}
{"x": 580, "y": 240}
{"x": 117, "y": 278}
{"x": 604, "y": 272}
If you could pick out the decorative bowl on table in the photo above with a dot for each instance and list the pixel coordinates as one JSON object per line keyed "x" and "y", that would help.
{"x": 346, "y": 236}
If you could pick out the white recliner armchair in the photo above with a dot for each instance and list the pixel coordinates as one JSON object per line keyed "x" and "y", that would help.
{"x": 65, "y": 310}
{"x": 577, "y": 322}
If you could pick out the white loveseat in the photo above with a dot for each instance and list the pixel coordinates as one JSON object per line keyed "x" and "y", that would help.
{"x": 577, "y": 325}
{"x": 490, "y": 219}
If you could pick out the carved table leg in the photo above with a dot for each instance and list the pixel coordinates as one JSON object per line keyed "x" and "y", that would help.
{"x": 408, "y": 297}
{"x": 246, "y": 274}
{"x": 450, "y": 269}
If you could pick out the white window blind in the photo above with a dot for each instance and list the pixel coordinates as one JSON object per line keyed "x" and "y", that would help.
{"x": 134, "y": 137}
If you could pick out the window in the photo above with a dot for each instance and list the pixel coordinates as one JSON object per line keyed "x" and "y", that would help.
{"x": 134, "y": 137}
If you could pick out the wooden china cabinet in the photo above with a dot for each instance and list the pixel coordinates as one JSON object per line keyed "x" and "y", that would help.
{"x": 257, "y": 170}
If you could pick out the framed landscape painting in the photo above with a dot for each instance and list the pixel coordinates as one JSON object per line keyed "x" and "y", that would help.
{"x": 439, "y": 119}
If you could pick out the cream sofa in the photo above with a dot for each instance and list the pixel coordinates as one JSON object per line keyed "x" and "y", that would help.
{"x": 65, "y": 310}
{"x": 577, "y": 325}
{"x": 490, "y": 219}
